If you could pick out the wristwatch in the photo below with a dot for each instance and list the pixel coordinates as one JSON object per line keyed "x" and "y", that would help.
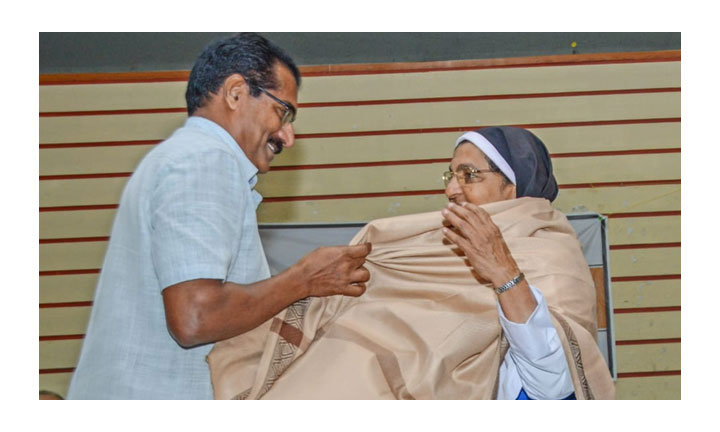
{"x": 519, "y": 278}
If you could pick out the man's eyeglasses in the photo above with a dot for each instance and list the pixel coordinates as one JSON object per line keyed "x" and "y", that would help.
{"x": 465, "y": 175}
{"x": 289, "y": 111}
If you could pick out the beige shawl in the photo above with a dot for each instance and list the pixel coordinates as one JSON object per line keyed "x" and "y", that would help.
{"x": 425, "y": 328}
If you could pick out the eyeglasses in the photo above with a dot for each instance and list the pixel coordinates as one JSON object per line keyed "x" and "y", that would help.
{"x": 465, "y": 175}
{"x": 289, "y": 111}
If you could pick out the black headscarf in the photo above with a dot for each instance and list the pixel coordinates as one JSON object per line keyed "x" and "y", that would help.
{"x": 528, "y": 158}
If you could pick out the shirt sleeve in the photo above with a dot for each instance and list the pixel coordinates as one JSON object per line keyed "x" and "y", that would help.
{"x": 196, "y": 211}
{"x": 537, "y": 353}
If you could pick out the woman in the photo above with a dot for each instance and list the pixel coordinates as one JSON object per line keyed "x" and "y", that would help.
{"x": 496, "y": 164}
{"x": 468, "y": 303}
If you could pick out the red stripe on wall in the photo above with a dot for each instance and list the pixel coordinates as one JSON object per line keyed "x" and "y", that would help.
{"x": 381, "y": 68}
{"x": 615, "y": 153}
{"x": 644, "y": 278}
{"x": 622, "y": 342}
{"x": 354, "y": 196}
{"x": 647, "y": 341}
{"x": 84, "y": 176}
{"x": 371, "y": 164}
{"x": 648, "y": 309}
{"x": 113, "y": 112}
{"x": 538, "y": 61}
{"x": 69, "y": 272}
{"x": 474, "y": 127}
{"x": 67, "y": 304}
{"x": 74, "y": 240}
{"x": 384, "y": 194}
{"x": 647, "y": 374}
{"x": 54, "y": 371}
{"x": 77, "y": 208}
{"x": 643, "y": 214}
{"x": 458, "y": 129}
{"x": 100, "y": 144}
{"x": 384, "y": 101}
{"x": 61, "y": 337}
{"x": 488, "y": 97}
{"x": 644, "y": 246}
{"x": 618, "y": 184}
{"x": 620, "y": 375}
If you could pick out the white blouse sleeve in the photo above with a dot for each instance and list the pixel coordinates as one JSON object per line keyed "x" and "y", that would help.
{"x": 536, "y": 360}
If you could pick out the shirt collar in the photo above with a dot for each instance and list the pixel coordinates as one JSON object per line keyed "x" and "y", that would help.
{"x": 215, "y": 129}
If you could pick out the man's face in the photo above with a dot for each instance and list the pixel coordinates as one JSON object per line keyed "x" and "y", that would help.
{"x": 262, "y": 133}
{"x": 486, "y": 187}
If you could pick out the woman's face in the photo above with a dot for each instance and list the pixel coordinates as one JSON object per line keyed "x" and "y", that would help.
{"x": 484, "y": 187}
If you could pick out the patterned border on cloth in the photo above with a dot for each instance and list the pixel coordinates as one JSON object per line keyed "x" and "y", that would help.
{"x": 503, "y": 347}
{"x": 290, "y": 340}
{"x": 577, "y": 357}
{"x": 291, "y": 336}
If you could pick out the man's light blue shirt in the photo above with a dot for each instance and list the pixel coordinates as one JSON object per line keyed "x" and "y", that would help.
{"x": 188, "y": 212}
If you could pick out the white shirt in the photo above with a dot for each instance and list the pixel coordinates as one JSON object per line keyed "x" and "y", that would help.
{"x": 535, "y": 360}
{"x": 188, "y": 212}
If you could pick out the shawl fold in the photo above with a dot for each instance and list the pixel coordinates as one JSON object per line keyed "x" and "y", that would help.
{"x": 426, "y": 328}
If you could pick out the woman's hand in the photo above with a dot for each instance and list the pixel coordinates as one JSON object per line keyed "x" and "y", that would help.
{"x": 477, "y": 235}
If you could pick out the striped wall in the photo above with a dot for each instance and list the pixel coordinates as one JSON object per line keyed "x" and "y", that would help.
{"x": 372, "y": 142}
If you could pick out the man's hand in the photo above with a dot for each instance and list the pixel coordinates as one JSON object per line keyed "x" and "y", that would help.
{"x": 208, "y": 310}
{"x": 481, "y": 240}
{"x": 335, "y": 270}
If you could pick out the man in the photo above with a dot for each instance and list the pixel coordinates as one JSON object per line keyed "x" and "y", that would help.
{"x": 185, "y": 267}
{"x": 490, "y": 298}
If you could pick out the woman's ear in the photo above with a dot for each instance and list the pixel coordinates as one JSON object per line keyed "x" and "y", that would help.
{"x": 510, "y": 191}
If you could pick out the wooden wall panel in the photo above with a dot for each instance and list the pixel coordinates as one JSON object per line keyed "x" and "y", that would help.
{"x": 72, "y": 256}
{"x": 647, "y": 261}
{"x": 647, "y": 325}
{"x": 59, "y": 354}
{"x": 654, "y": 357}
{"x": 640, "y": 230}
{"x": 67, "y": 288}
{"x": 649, "y": 387}
{"x": 61, "y": 321}
{"x": 646, "y": 294}
{"x": 456, "y": 83}
{"x": 79, "y": 192}
{"x": 104, "y": 97}
{"x": 376, "y": 179}
{"x": 55, "y": 382}
{"x": 91, "y": 160}
{"x": 607, "y": 200}
{"x": 103, "y": 128}
{"x": 98, "y": 223}
{"x": 389, "y": 117}
{"x": 504, "y": 81}
{"x": 76, "y": 223}
{"x": 373, "y": 145}
{"x": 362, "y": 149}
{"x": 633, "y": 262}
{"x": 613, "y": 199}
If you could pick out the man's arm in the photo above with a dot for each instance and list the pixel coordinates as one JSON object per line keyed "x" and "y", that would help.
{"x": 203, "y": 311}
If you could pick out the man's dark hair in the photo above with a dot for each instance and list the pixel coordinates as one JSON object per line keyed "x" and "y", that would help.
{"x": 248, "y": 54}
